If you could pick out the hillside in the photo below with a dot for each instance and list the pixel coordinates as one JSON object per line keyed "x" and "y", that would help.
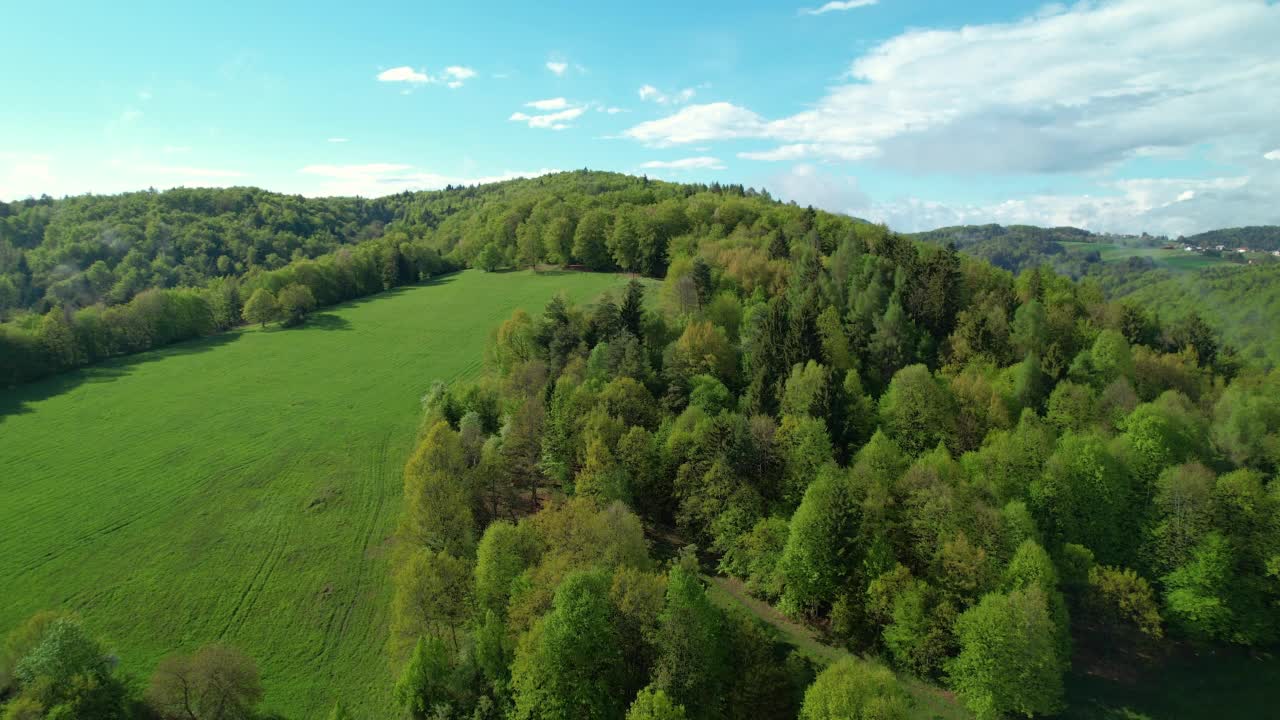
{"x": 243, "y": 487}
{"x": 1255, "y": 237}
{"x": 1241, "y": 302}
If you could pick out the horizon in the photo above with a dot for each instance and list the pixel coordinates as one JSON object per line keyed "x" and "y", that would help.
{"x": 1124, "y": 117}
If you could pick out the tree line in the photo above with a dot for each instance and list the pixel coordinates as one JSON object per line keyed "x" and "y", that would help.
{"x": 93, "y": 277}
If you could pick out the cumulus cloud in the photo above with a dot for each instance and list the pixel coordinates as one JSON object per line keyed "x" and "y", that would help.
{"x": 558, "y": 103}
{"x": 650, "y": 93}
{"x": 404, "y": 73}
{"x": 1273, "y": 155}
{"x": 837, "y": 6}
{"x": 699, "y": 123}
{"x": 453, "y": 76}
{"x": 689, "y": 163}
{"x": 1060, "y": 91}
{"x": 378, "y": 179}
{"x": 557, "y": 67}
{"x": 553, "y": 121}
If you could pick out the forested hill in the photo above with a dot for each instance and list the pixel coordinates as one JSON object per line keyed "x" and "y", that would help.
{"x": 90, "y": 277}
{"x": 1255, "y": 237}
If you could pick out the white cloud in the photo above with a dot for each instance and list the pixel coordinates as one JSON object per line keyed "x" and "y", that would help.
{"x": 698, "y": 123}
{"x": 1059, "y": 91}
{"x": 836, "y": 6}
{"x": 1273, "y": 155}
{"x": 404, "y": 73}
{"x": 558, "y": 103}
{"x": 609, "y": 109}
{"x": 338, "y": 140}
{"x": 652, "y": 94}
{"x": 689, "y": 163}
{"x": 453, "y": 76}
{"x": 378, "y": 179}
{"x": 553, "y": 121}
{"x": 1168, "y": 206}
{"x": 557, "y": 67}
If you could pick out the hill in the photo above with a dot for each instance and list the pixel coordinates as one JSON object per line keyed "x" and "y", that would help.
{"x": 1241, "y": 302}
{"x": 1255, "y": 237}
{"x": 242, "y": 487}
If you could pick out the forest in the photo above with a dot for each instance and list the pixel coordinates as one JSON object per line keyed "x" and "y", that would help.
{"x": 956, "y": 473}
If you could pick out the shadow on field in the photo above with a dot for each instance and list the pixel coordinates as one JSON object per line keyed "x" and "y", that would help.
{"x": 327, "y": 321}
{"x": 18, "y": 399}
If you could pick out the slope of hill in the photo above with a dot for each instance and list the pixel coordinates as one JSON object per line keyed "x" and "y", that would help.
{"x": 1241, "y": 302}
{"x": 1254, "y": 237}
{"x": 242, "y": 487}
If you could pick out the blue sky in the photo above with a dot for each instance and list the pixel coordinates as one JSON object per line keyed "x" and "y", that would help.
{"x": 1127, "y": 115}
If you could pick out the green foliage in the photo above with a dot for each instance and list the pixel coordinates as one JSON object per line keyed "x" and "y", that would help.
{"x": 570, "y": 664}
{"x": 654, "y": 704}
{"x": 1121, "y": 596}
{"x": 917, "y": 410}
{"x": 424, "y": 684}
{"x": 296, "y": 302}
{"x": 855, "y": 690}
{"x": 1083, "y": 496}
{"x": 819, "y": 543}
{"x": 1008, "y": 661}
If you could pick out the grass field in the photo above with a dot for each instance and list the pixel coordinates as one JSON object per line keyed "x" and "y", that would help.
{"x": 1176, "y": 260}
{"x": 242, "y": 487}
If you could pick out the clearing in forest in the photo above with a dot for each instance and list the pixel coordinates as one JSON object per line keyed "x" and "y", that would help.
{"x": 242, "y": 487}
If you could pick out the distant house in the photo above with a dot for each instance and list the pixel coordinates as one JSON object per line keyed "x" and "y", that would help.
{"x": 1220, "y": 248}
{"x": 1189, "y": 249}
{"x": 1242, "y": 250}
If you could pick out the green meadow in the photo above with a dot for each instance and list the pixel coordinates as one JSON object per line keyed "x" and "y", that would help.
{"x": 243, "y": 487}
{"x": 1175, "y": 260}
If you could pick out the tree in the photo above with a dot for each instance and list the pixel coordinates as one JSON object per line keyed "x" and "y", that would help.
{"x": 820, "y": 543}
{"x": 424, "y": 684}
{"x": 631, "y": 313}
{"x": 854, "y": 689}
{"x": 702, "y": 281}
{"x": 296, "y": 302}
{"x": 22, "y": 640}
{"x": 569, "y": 666}
{"x": 217, "y": 682}
{"x": 490, "y": 258}
{"x": 432, "y": 597}
{"x": 693, "y": 666}
{"x": 1082, "y": 497}
{"x": 65, "y": 656}
{"x": 917, "y": 410}
{"x": 654, "y": 704}
{"x": 261, "y": 307}
{"x": 1009, "y": 662}
{"x": 590, "y": 245}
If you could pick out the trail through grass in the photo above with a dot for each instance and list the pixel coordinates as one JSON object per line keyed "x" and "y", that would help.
{"x": 243, "y": 487}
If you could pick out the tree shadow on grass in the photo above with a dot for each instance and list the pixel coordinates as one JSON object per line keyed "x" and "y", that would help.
{"x": 326, "y": 321}
{"x": 19, "y": 399}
